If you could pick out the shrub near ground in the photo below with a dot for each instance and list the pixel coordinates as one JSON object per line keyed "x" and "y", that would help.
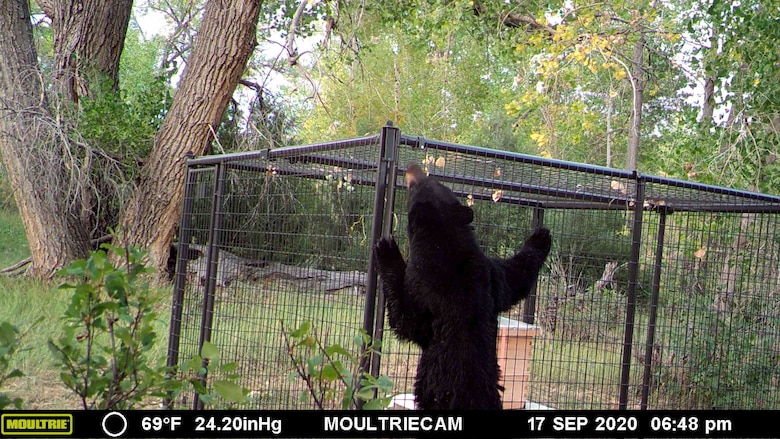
{"x": 25, "y": 303}
{"x": 36, "y": 308}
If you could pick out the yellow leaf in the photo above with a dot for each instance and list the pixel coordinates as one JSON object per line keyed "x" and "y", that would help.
{"x": 618, "y": 186}
{"x": 497, "y": 195}
{"x": 619, "y": 74}
{"x": 700, "y": 252}
{"x": 440, "y": 162}
{"x": 539, "y": 138}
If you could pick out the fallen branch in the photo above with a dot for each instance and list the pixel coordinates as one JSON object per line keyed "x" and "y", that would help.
{"x": 11, "y": 271}
{"x": 21, "y": 266}
{"x": 232, "y": 267}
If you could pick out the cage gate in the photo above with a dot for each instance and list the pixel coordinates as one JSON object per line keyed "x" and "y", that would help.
{"x": 658, "y": 293}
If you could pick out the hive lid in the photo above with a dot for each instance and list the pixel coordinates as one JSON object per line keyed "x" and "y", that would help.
{"x": 507, "y": 323}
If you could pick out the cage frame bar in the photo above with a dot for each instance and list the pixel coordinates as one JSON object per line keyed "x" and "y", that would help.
{"x": 651, "y": 319}
{"x": 633, "y": 284}
{"x": 212, "y": 257}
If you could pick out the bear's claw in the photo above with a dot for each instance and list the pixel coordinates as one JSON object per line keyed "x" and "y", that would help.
{"x": 386, "y": 248}
{"x": 540, "y": 239}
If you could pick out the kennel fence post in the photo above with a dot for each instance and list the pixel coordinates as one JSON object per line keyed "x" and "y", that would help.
{"x": 387, "y": 157}
{"x": 649, "y": 345}
{"x": 633, "y": 276}
{"x": 212, "y": 261}
{"x": 180, "y": 279}
{"x": 529, "y": 306}
{"x": 392, "y": 142}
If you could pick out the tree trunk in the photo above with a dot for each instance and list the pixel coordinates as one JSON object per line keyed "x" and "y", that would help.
{"x": 222, "y": 48}
{"x": 708, "y": 107}
{"x": 731, "y": 272}
{"x": 89, "y": 36}
{"x": 638, "y": 85}
{"x": 32, "y": 148}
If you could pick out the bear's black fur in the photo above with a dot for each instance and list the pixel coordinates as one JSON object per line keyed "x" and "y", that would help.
{"x": 446, "y": 299}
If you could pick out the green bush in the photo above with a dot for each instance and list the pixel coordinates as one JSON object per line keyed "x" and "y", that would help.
{"x": 333, "y": 375}
{"x": 10, "y": 340}
{"x": 106, "y": 352}
{"x": 108, "y": 332}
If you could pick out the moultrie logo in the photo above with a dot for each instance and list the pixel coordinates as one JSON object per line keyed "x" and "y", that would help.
{"x": 36, "y": 424}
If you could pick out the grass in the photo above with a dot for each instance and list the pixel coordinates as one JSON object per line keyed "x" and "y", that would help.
{"x": 32, "y": 306}
{"x": 13, "y": 243}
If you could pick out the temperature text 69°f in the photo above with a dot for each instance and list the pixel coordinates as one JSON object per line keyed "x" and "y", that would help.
{"x": 159, "y": 423}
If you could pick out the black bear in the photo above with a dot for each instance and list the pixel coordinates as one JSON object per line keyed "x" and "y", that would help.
{"x": 447, "y": 297}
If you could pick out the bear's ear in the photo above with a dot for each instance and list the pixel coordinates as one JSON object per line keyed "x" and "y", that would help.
{"x": 414, "y": 174}
{"x": 464, "y": 215}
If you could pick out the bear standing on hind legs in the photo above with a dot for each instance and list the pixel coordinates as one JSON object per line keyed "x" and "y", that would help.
{"x": 447, "y": 297}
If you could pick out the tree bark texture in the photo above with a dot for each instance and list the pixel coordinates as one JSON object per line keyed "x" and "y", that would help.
{"x": 31, "y": 144}
{"x": 222, "y": 48}
{"x": 89, "y": 36}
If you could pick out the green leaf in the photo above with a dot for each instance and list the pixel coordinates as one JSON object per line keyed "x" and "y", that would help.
{"x": 385, "y": 383}
{"x": 229, "y": 391}
{"x": 194, "y": 363}
{"x": 199, "y": 388}
{"x": 313, "y": 362}
{"x": 209, "y": 351}
{"x": 376, "y": 404}
{"x": 329, "y": 373}
{"x": 366, "y": 393}
{"x": 337, "y": 349}
{"x": 229, "y": 367}
{"x": 302, "y": 330}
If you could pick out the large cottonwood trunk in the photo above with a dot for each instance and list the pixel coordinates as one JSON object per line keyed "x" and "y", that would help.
{"x": 223, "y": 46}
{"x": 89, "y": 36}
{"x": 32, "y": 149}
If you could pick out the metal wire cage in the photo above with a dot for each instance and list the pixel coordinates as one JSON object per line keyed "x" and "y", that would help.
{"x": 658, "y": 293}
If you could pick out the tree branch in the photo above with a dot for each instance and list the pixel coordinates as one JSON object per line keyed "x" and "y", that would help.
{"x": 515, "y": 20}
{"x": 292, "y": 52}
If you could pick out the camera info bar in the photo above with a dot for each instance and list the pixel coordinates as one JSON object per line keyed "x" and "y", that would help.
{"x": 390, "y": 423}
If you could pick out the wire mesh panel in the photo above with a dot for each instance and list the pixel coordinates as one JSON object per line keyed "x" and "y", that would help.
{"x": 509, "y": 195}
{"x": 287, "y": 243}
{"x": 656, "y": 294}
{"x": 716, "y": 334}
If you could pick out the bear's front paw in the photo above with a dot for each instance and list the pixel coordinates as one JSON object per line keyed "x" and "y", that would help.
{"x": 386, "y": 249}
{"x": 540, "y": 240}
